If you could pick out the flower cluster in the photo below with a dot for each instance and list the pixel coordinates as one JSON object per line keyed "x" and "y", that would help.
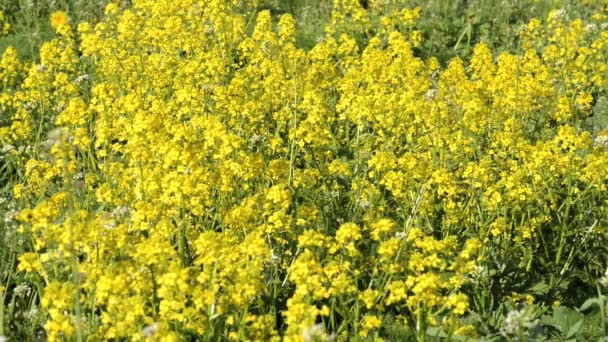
{"x": 192, "y": 176}
{"x": 5, "y": 26}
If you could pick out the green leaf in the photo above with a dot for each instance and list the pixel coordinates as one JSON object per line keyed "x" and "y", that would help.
{"x": 574, "y": 329}
{"x": 436, "y": 332}
{"x": 589, "y": 303}
{"x": 539, "y": 288}
{"x": 567, "y": 321}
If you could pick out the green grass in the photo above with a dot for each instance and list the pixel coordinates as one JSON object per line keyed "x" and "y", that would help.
{"x": 30, "y": 26}
{"x": 451, "y": 27}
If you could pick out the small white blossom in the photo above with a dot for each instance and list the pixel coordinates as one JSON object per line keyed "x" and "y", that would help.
{"x": 517, "y": 323}
{"x": 273, "y": 257}
{"x": 31, "y": 314}
{"x": 81, "y": 78}
{"x": 591, "y": 28}
{"x": 480, "y": 271}
{"x": 7, "y": 148}
{"x": 120, "y": 212}
{"x": 313, "y": 332}
{"x": 365, "y": 204}
{"x": 255, "y": 138}
{"x": 22, "y": 290}
{"x": 430, "y": 94}
{"x": 109, "y": 224}
{"x": 601, "y": 140}
{"x": 560, "y": 15}
{"x": 57, "y": 136}
{"x": 10, "y": 216}
{"x": 150, "y": 330}
{"x": 29, "y": 105}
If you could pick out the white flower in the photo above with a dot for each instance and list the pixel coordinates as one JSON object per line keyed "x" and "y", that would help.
{"x": 81, "y": 78}
{"x": 601, "y": 140}
{"x": 365, "y": 204}
{"x": 57, "y": 135}
{"x": 120, "y": 212}
{"x": 150, "y": 330}
{"x": 591, "y": 28}
{"x": 10, "y": 216}
{"x": 273, "y": 257}
{"x": 255, "y": 138}
{"x": 31, "y": 314}
{"x": 7, "y": 148}
{"x": 313, "y": 332}
{"x": 480, "y": 271}
{"x": 512, "y": 325}
{"x": 22, "y": 290}
{"x": 517, "y": 322}
{"x": 29, "y": 105}
{"x": 560, "y": 15}
{"x": 430, "y": 94}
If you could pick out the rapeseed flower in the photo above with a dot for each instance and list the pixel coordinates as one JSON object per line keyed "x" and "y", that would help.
{"x": 200, "y": 179}
{"x": 58, "y": 19}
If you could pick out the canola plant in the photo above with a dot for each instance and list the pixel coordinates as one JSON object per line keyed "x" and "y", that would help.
{"x": 186, "y": 171}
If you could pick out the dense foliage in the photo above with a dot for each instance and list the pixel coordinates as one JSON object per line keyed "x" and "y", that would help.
{"x": 193, "y": 169}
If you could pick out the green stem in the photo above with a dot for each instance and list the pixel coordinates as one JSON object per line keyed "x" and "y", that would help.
{"x": 564, "y": 225}
{"x": 420, "y": 331}
{"x": 357, "y": 314}
{"x": 2, "y": 313}
{"x": 602, "y": 310}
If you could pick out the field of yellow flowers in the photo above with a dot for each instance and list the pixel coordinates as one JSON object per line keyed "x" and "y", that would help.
{"x": 201, "y": 170}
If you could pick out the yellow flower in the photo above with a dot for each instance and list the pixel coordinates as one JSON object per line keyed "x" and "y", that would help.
{"x": 368, "y": 297}
{"x": 459, "y": 303}
{"x": 347, "y": 232}
{"x": 29, "y": 262}
{"x": 369, "y": 323}
{"x": 58, "y": 19}
{"x": 4, "y": 25}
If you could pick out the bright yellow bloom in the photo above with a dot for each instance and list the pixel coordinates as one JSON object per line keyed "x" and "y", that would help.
{"x": 58, "y": 19}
